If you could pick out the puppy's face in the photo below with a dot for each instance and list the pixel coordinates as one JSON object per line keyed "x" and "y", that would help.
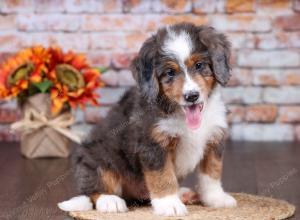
{"x": 184, "y": 63}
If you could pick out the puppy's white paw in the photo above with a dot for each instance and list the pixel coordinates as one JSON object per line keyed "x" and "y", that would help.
{"x": 111, "y": 203}
{"x": 78, "y": 203}
{"x": 169, "y": 206}
{"x": 219, "y": 200}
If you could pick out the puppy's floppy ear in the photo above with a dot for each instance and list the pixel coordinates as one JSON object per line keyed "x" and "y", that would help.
{"x": 143, "y": 69}
{"x": 219, "y": 50}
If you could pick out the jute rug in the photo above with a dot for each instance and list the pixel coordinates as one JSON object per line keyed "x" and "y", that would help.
{"x": 249, "y": 207}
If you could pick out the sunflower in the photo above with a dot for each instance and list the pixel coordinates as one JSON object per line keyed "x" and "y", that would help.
{"x": 74, "y": 80}
{"x": 67, "y": 77}
{"x": 26, "y": 66}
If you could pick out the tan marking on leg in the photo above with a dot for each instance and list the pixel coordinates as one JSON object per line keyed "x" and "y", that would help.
{"x": 162, "y": 182}
{"x": 111, "y": 182}
{"x": 211, "y": 163}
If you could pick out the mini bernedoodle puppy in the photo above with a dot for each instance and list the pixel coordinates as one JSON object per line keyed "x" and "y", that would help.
{"x": 168, "y": 126}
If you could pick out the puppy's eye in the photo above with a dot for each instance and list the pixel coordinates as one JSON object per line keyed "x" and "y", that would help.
{"x": 200, "y": 66}
{"x": 170, "y": 73}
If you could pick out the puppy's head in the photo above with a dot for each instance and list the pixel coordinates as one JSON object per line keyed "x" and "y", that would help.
{"x": 182, "y": 64}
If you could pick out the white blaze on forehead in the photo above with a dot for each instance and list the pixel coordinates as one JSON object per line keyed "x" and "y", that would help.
{"x": 178, "y": 44}
{"x": 190, "y": 85}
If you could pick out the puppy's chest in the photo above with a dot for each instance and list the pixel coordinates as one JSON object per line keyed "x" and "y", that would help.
{"x": 189, "y": 151}
{"x": 191, "y": 145}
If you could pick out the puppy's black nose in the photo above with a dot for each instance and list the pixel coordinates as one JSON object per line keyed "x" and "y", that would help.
{"x": 191, "y": 96}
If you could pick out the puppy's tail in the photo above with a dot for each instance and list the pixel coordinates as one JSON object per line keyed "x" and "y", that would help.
{"x": 78, "y": 203}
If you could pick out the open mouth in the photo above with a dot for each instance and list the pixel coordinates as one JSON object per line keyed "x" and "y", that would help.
{"x": 193, "y": 115}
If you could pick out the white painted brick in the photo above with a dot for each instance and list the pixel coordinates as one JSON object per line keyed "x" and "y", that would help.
{"x": 279, "y": 40}
{"x": 46, "y": 22}
{"x": 246, "y": 95}
{"x": 125, "y": 78}
{"x": 110, "y": 95}
{"x": 110, "y": 78}
{"x": 282, "y": 95}
{"x": 262, "y": 132}
{"x": 255, "y": 58}
{"x": 246, "y": 23}
{"x": 241, "y": 40}
{"x": 82, "y": 129}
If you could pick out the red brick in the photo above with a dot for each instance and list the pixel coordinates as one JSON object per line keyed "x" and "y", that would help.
{"x": 173, "y": 19}
{"x": 291, "y": 77}
{"x": 240, "y": 6}
{"x": 267, "y": 77}
{"x": 289, "y": 114}
{"x": 9, "y": 6}
{"x": 273, "y": 5}
{"x": 235, "y": 114}
{"x": 289, "y": 22}
{"x": 176, "y": 6}
{"x": 137, "y": 6}
{"x": 122, "y": 60}
{"x": 248, "y": 23}
{"x": 7, "y": 22}
{"x": 8, "y": 115}
{"x": 261, "y": 113}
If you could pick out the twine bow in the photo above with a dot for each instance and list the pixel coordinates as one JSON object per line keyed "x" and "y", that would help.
{"x": 34, "y": 120}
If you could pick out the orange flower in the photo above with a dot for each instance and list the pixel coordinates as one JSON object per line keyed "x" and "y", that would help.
{"x": 26, "y": 64}
{"x": 66, "y": 76}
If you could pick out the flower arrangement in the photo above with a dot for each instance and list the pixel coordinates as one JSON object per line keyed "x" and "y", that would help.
{"x": 67, "y": 77}
{"x": 47, "y": 83}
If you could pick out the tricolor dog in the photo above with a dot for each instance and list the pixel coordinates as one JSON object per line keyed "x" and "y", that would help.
{"x": 171, "y": 124}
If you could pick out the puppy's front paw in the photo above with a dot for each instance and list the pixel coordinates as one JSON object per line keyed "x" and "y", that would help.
{"x": 219, "y": 200}
{"x": 111, "y": 203}
{"x": 169, "y": 206}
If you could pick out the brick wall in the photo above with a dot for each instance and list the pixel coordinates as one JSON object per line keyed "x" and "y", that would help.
{"x": 264, "y": 93}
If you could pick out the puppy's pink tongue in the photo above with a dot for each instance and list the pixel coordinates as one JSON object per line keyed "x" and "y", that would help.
{"x": 193, "y": 116}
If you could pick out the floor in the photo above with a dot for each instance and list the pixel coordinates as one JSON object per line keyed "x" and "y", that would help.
{"x": 30, "y": 189}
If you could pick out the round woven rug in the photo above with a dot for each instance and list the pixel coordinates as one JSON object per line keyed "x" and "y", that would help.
{"x": 249, "y": 207}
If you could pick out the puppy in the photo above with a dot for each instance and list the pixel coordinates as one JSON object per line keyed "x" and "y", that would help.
{"x": 170, "y": 124}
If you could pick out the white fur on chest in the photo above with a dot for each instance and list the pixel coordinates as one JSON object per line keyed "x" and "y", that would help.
{"x": 190, "y": 149}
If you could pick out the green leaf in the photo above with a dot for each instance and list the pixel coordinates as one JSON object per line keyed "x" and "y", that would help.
{"x": 101, "y": 69}
{"x": 43, "y": 86}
